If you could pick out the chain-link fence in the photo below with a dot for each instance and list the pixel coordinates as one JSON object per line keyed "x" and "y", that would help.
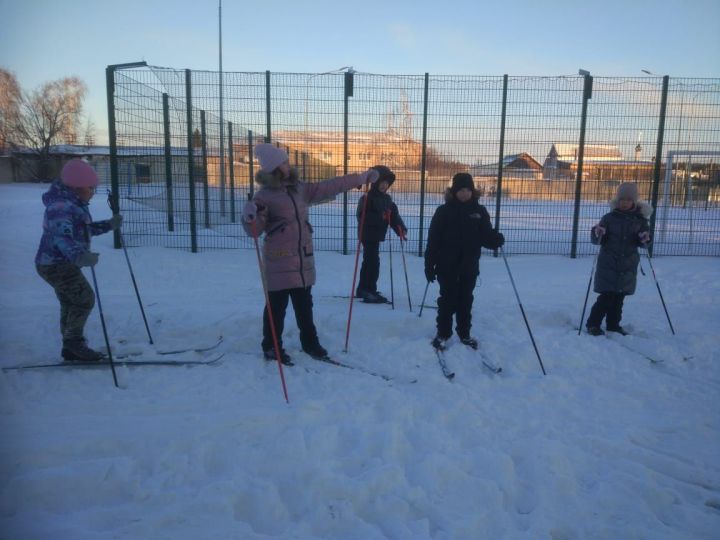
{"x": 546, "y": 153}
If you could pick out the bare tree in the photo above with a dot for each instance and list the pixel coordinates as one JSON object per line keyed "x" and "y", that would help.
{"x": 89, "y": 132}
{"x": 47, "y": 116}
{"x": 9, "y": 107}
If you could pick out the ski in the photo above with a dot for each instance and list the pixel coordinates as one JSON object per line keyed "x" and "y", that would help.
{"x": 346, "y": 297}
{"x": 616, "y": 339}
{"x": 440, "y": 352}
{"x": 486, "y": 362}
{"x": 123, "y": 363}
{"x": 328, "y": 360}
{"x": 492, "y": 367}
{"x": 121, "y": 356}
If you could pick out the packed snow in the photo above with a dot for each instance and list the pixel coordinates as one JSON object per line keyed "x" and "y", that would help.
{"x": 607, "y": 445}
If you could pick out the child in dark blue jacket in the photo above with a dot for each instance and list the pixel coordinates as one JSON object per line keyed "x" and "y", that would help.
{"x": 380, "y": 212}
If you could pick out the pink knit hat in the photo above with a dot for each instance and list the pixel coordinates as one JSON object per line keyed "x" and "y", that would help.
{"x": 78, "y": 173}
{"x": 270, "y": 156}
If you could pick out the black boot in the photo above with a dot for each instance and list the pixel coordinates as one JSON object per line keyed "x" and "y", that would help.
{"x": 470, "y": 342}
{"x": 618, "y": 330}
{"x": 595, "y": 331}
{"x": 270, "y": 356}
{"x": 318, "y": 352}
{"x": 76, "y": 350}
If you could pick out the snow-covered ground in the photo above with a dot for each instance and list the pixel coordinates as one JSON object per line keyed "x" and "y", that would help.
{"x": 607, "y": 445}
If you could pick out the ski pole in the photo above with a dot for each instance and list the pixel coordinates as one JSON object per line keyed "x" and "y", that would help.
{"x": 587, "y": 294}
{"x": 407, "y": 282}
{"x": 102, "y": 315}
{"x": 357, "y": 257}
{"x": 269, "y": 311}
{"x": 522, "y": 310}
{"x": 114, "y": 206}
{"x": 392, "y": 280}
{"x": 660, "y": 293}
{"x": 422, "y": 304}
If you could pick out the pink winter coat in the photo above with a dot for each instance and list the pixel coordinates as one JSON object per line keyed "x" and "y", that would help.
{"x": 283, "y": 217}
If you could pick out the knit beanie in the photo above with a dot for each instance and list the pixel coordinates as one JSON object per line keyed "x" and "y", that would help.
{"x": 386, "y": 175}
{"x": 627, "y": 190}
{"x": 270, "y": 157}
{"x": 462, "y": 180}
{"x": 78, "y": 173}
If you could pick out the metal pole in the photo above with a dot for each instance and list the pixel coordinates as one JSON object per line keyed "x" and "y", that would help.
{"x": 206, "y": 191}
{"x": 222, "y": 120}
{"x": 112, "y": 136}
{"x": 422, "y": 304}
{"x": 423, "y": 164}
{"x": 587, "y": 94}
{"x": 251, "y": 166}
{"x": 587, "y": 293}
{"x": 191, "y": 161}
{"x": 231, "y": 162}
{"x": 658, "y": 158}
{"x": 268, "y": 126}
{"x": 498, "y": 194}
{"x": 348, "y": 92}
{"x": 168, "y": 165}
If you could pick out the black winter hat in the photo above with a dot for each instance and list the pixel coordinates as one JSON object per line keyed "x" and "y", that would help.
{"x": 462, "y": 180}
{"x": 385, "y": 174}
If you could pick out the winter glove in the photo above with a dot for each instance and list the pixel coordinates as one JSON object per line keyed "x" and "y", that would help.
{"x": 430, "y": 272}
{"x": 599, "y": 231}
{"x": 370, "y": 176}
{"x": 402, "y": 233}
{"x": 251, "y": 210}
{"x": 115, "y": 222}
{"x": 87, "y": 259}
{"x": 644, "y": 237}
{"x": 501, "y": 240}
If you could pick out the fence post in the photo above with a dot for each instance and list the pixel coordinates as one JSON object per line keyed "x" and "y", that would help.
{"x": 168, "y": 165}
{"x": 423, "y": 164}
{"x": 498, "y": 193}
{"x": 206, "y": 191}
{"x": 112, "y": 135}
{"x": 231, "y": 160}
{"x": 348, "y": 92}
{"x": 191, "y": 161}
{"x": 587, "y": 94}
{"x": 268, "y": 134}
{"x": 251, "y": 167}
{"x": 658, "y": 159}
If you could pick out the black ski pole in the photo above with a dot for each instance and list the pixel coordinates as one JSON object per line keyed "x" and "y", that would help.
{"x": 102, "y": 315}
{"x": 407, "y": 282}
{"x": 116, "y": 211}
{"x": 660, "y": 293}
{"x": 422, "y": 304}
{"x": 587, "y": 294}
{"x": 522, "y": 310}
{"x": 392, "y": 280}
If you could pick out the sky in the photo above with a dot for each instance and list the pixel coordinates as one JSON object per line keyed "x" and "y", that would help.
{"x": 42, "y": 40}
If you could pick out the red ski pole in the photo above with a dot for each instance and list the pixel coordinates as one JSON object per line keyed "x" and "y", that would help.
{"x": 357, "y": 256}
{"x": 269, "y": 310}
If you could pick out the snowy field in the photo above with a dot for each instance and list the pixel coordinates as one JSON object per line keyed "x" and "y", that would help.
{"x": 607, "y": 446}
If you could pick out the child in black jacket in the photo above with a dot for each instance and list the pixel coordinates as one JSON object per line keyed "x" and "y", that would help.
{"x": 380, "y": 212}
{"x": 458, "y": 231}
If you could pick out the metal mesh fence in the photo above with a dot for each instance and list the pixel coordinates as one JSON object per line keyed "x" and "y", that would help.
{"x": 546, "y": 153}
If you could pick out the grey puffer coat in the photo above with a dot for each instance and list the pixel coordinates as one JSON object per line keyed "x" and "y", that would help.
{"x": 618, "y": 259}
{"x": 283, "y": 216}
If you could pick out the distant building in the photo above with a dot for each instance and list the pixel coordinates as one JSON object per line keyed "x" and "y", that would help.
{"x": 521, "y": 165}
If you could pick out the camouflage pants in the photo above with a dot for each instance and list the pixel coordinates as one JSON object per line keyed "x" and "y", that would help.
{"x": 75, "y": 295}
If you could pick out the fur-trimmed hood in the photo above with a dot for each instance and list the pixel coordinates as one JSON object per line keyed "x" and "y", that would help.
{"x": 450, "y": 196}
{"x": 644, "y": 207}
{"x": 270, "y": 180}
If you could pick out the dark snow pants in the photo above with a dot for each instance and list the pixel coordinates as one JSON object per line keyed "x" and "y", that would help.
{"x": 456, "y": 298}
{"x": 608, "y": 306}
{"x": 370, "y": 269}
{"x": 76, "y": 297}
{"x": 302, "y": 305}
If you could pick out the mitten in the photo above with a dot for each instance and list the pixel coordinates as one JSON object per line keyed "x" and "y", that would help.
{"x": 115, "y": 222}
{"x": 430, "y": 272}
{"x": 644, "y": 237}
{"x": 87, "y": 259}
{"x": 599, "y": 231}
